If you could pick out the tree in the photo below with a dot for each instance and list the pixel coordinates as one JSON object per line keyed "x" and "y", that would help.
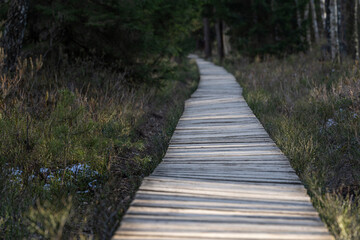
{"x": 323, "y": 14}
{"x": 262, "y": 27}
{"x": 139, "y": 36}
{"x": 356, "y": 34}
{"x": 207, "y": 38}
{"x": 327, "y": 22}
{"x": 207, "y": 14}
{"x": 298, "y": 16}
{"x": 226, "y": 40}
{"x": 335, "y": 49}
{"x": 342, "y": 24}
{"x": 314, "y": 20}
{"x": 219, "y": 39}
{"x": 219, "y": 11}
{"x": 14, "y": 31}
{"x": 308, "y": 32}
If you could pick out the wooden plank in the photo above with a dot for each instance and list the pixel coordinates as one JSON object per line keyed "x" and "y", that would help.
{"x": 222, "y": 177}
{"x": 239, "y": 157}
{"x": 262, "y": 194}
{"x": 249, "y": 203}
{"x": 222, "y": 186}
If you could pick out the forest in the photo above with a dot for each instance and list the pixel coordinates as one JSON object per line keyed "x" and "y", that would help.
{"x": 91, "y": 92}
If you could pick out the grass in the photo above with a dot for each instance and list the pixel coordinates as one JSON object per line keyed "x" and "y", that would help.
{"x": 75, "y": 142}
{"x": 311, "y": 109}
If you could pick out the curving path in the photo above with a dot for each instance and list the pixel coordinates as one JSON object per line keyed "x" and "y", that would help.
{"x": 222, "y": 176}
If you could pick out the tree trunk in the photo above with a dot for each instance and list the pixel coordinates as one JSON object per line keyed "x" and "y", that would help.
{"x": 273, "y": 6}
{"x": 327, "y": 22}
{"x": 335, "y": 49}
{"x": 255, "y": 21}
{"x": 253, "y": 9}
{"x": 219, "y": 39}
{"x": 298, "y": 16}
{"x": 207, "y": 39}
{"x": 323, "y": 14}
{"x": 341, "y": 12}
{"x": 314, "y": 20}
{"x": 356, "y": 34}
{"x": 14, "y": 31}
{"x": 226, "y": 40}
{"x": 308, "y": 33}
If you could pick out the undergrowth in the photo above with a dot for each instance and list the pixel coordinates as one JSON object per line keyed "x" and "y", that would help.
{"x": 75, "y": 142}
{"x": 311, "y": 109}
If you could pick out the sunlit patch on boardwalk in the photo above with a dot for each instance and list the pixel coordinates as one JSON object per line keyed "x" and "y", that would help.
{"x": 222, "y": 177}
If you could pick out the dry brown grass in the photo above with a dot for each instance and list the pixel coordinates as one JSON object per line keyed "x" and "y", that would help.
{"x": 311, "y": 109}
{"x": 75, "y": 142}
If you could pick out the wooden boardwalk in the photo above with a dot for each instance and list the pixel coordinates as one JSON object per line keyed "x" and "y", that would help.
{"x": 222, "y": 177}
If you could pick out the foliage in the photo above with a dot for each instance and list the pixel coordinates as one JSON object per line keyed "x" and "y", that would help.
{"x": 138, "y": 35}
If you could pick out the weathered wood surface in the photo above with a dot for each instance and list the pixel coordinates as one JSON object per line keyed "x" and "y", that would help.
{"x": 222, "y": 177}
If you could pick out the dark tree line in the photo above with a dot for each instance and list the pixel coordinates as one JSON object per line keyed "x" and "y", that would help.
{"x": 139, "y": 34}
{"x": 136, "y": 34}
{"x": 274, "y": 27}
